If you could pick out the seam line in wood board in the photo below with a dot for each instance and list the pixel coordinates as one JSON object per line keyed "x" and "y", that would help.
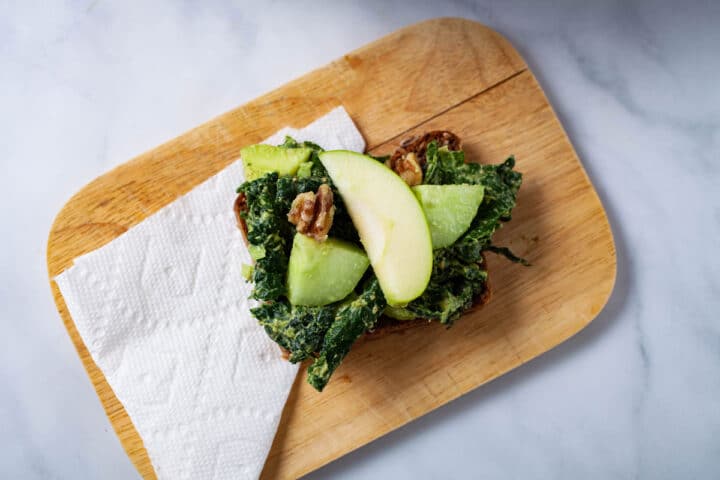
{"x": 442, "y": 112}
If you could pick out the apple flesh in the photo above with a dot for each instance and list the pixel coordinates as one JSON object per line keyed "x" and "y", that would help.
{"x": 261, "y": 159}
{"x": 390, "y": 221}
{"x": 449, "y": 210}
{"x": 320, "y": 273}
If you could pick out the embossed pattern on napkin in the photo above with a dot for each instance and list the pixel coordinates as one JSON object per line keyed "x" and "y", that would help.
{"x": 163, "y": 311}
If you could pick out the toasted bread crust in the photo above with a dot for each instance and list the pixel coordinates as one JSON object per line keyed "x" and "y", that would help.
{"x": 239, "y": 207}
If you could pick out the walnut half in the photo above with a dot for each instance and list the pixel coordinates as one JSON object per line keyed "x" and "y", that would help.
{"x": 407, "y": 167}
{"x": 312, "y": 213}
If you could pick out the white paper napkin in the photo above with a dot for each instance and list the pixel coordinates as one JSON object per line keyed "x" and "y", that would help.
{"x": 163, "y": 310}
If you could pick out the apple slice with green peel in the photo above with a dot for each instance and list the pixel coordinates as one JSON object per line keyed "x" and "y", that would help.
{"x": 449, "y": 210}
{"x": 323, "y": 272}
{"x": 261, "y": 159}
{"x": 390, "y": 222}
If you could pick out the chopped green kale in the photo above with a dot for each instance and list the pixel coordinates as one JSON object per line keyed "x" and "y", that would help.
{"x": 453, "y": 286}
{"x": 351, "y": 321}
{"x": 267, "y": 231}
{"x": 501, "y": 186}
{"x": 296, "y": 328}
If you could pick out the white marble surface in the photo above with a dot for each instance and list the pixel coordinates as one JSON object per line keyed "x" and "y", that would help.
{"x": 86, "y": 85}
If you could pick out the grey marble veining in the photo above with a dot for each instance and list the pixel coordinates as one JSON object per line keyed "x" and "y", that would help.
{"x": 86, "y": 85}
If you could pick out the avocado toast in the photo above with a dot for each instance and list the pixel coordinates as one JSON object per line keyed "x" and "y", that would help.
{"x": 346, "y": 244}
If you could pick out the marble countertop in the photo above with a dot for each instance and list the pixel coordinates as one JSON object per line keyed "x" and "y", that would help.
{"x": 85, "y": 86}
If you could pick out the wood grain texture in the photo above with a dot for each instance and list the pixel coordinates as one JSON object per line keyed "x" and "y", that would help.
{"x": 440, "y": 74}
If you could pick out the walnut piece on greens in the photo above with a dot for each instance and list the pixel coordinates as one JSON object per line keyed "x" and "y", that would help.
{"x": 312, "y": 213}
{"x": 407, "y": 168}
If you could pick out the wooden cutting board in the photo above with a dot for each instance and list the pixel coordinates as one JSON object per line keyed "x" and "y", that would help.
{"x": 445, "y": 73}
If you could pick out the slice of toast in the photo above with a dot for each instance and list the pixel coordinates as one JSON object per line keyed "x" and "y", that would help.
{"x": 417, "y": 145}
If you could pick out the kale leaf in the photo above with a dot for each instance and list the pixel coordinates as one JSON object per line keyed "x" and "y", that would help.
{"x": 443, "y": 167}
{"x": 453, "y": 286}
{"x": 298, "y": 329}
{"x": 351, "y": 321}
{"x": 268, "y": 229}
{"x": 501, "y": 184}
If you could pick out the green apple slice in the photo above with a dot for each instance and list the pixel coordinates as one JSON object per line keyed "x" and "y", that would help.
{"x": 320, "y": 273}
{"x": 449, "y": 210}
{"x": 390, "y": 222}
{"x": 261, "y": 159}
